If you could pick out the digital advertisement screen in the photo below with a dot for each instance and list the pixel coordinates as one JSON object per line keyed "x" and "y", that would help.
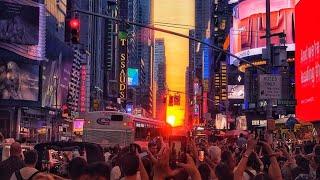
{"x": 307, "y": 66}
{"x": 235, "y": 91}
{"x": 249, "y": 25}
{"x": 133, "y": 77}
{"x": 19, "y": 23}
{"x": 19, "y": 80}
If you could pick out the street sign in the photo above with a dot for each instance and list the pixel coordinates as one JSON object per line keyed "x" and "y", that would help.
{"x": 270, "y": 86}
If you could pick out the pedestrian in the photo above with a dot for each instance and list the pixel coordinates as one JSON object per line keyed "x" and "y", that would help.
{"x": 76, "y": 167}
{"x": 13, "y": 163}
{"x": 29, "y": 171}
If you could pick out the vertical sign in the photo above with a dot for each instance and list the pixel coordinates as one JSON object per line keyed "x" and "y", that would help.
{"x": 83, "y": 74}
{"x": 123, "y": 55}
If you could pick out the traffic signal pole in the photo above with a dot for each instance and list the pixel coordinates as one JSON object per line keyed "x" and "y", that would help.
{"x": 170, "y": 32}
{"x": 269, "y": 55}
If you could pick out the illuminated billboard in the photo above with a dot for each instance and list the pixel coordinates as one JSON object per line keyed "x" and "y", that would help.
{"x": 133, "y": 77}
{"x": 249, "y": 25}
{"x": 235, "y": 91}
{"x": 307, "y": 66}
{"x": 19, "y": 79}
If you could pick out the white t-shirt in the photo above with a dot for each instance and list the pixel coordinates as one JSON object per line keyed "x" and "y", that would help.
{"x": 246, "y": 176}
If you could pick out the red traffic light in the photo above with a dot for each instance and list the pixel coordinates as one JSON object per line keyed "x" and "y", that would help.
{"x": 74, "y": 23}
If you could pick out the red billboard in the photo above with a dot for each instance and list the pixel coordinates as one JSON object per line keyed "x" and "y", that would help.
{"x": 307, "y": 65}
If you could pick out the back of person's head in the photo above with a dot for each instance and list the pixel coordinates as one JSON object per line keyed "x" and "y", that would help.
{"x": 97, "y": 170}
{"x": 76, "y": 167}
{"x": 262, "y": 176}
{"x": 226, "y": 156}
{"x": 15, "y": 149}
{"x": 223, "y": 172}
{"x": 241, "y": 135}
{"x": 129, "y": 164}
{"x": 214, "y": 153}
{"x": 31, "y": 157}
{"x": 204, "y": 171}
{"x": 303, "y": 164}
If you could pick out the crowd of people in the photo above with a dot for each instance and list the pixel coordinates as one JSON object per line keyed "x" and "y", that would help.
{"x": 247, "y": 158}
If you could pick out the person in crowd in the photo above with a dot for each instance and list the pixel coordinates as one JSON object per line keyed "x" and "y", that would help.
{"x": 254, "y": 166}
{"x": 274, "y": 170}
{"x": 29, "y": 171}
{"x": 76, "y": 167}
{"x": 43, "y": 176}
{"x": 204, "y": 171}
{"x": 1, "y": 145}
{"x": 241, "y": 141}
{"x": 132, "y": 167}
{"x": 96, "y": 171}
{"x": 223, "y": 172}
{"x": 13, "y": 163}
{"x": 302, "y": 171}
{"x": 227, "y": 157}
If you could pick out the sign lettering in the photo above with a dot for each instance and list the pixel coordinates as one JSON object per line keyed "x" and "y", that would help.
{"x": 123, "y": 51}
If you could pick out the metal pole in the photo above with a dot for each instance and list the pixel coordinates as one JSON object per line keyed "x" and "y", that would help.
{"x": 170, "y": 32}
{"x": 268, "y": 46}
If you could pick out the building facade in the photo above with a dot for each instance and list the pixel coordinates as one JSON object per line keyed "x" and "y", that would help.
{"x": 159, "y": 73}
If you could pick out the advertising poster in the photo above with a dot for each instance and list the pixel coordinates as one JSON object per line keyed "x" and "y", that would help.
{"x": 307, "y": 66}
{"x": 235, "y": 91}
{"x": 221, "y": 121}
{"x": 249, "y": 25}
{"x": 59, "y": 64}
{"x": 19, "y": 80}
{"x": 241, "y": 123}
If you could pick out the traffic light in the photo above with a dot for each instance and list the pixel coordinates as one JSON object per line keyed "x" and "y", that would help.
{"x": 74, "y": 27}
{"x": 177, "y": 100}
{"x": 170, "y": 100}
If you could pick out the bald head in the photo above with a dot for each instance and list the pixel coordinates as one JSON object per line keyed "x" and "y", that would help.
{"x": 15, "y": 149}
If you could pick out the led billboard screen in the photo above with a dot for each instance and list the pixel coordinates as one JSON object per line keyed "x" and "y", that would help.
{"x": 19, "y": 80}
{"x": 133, "y": 77}
{"x": 307, "y": 66}
{"x": 249, "y": 25}
{"x": 19, "y": 23}
{"x": 235, "y": 91}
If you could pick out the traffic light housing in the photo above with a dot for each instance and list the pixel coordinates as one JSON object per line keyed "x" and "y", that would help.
{"x": 171, "y": 100}
{"x": 73, "y": 30}
{"x": 177, "y": 100}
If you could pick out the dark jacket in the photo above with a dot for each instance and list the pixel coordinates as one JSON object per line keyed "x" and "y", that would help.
{"x": 9, "y": 166}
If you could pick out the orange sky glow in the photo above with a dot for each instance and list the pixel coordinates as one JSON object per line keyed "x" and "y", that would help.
{"x": 177, "y": 49}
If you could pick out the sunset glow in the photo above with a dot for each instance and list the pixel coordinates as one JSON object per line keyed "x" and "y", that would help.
{"x": 177, "y": 49}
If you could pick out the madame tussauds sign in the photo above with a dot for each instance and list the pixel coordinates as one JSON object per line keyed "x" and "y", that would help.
{"x": 123, "y": 65}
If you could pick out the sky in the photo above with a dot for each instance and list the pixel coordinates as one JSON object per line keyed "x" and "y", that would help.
{"x": 177, "y": 49}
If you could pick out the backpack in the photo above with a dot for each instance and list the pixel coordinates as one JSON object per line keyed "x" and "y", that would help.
{"x": 19, "y": 177}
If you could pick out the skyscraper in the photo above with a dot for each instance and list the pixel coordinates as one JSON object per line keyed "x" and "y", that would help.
{"x": 159, "y": 73}
{"x": 202, "y": 19}
{"x": 110, "y": 52}
{"x": 92, "y": 38}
